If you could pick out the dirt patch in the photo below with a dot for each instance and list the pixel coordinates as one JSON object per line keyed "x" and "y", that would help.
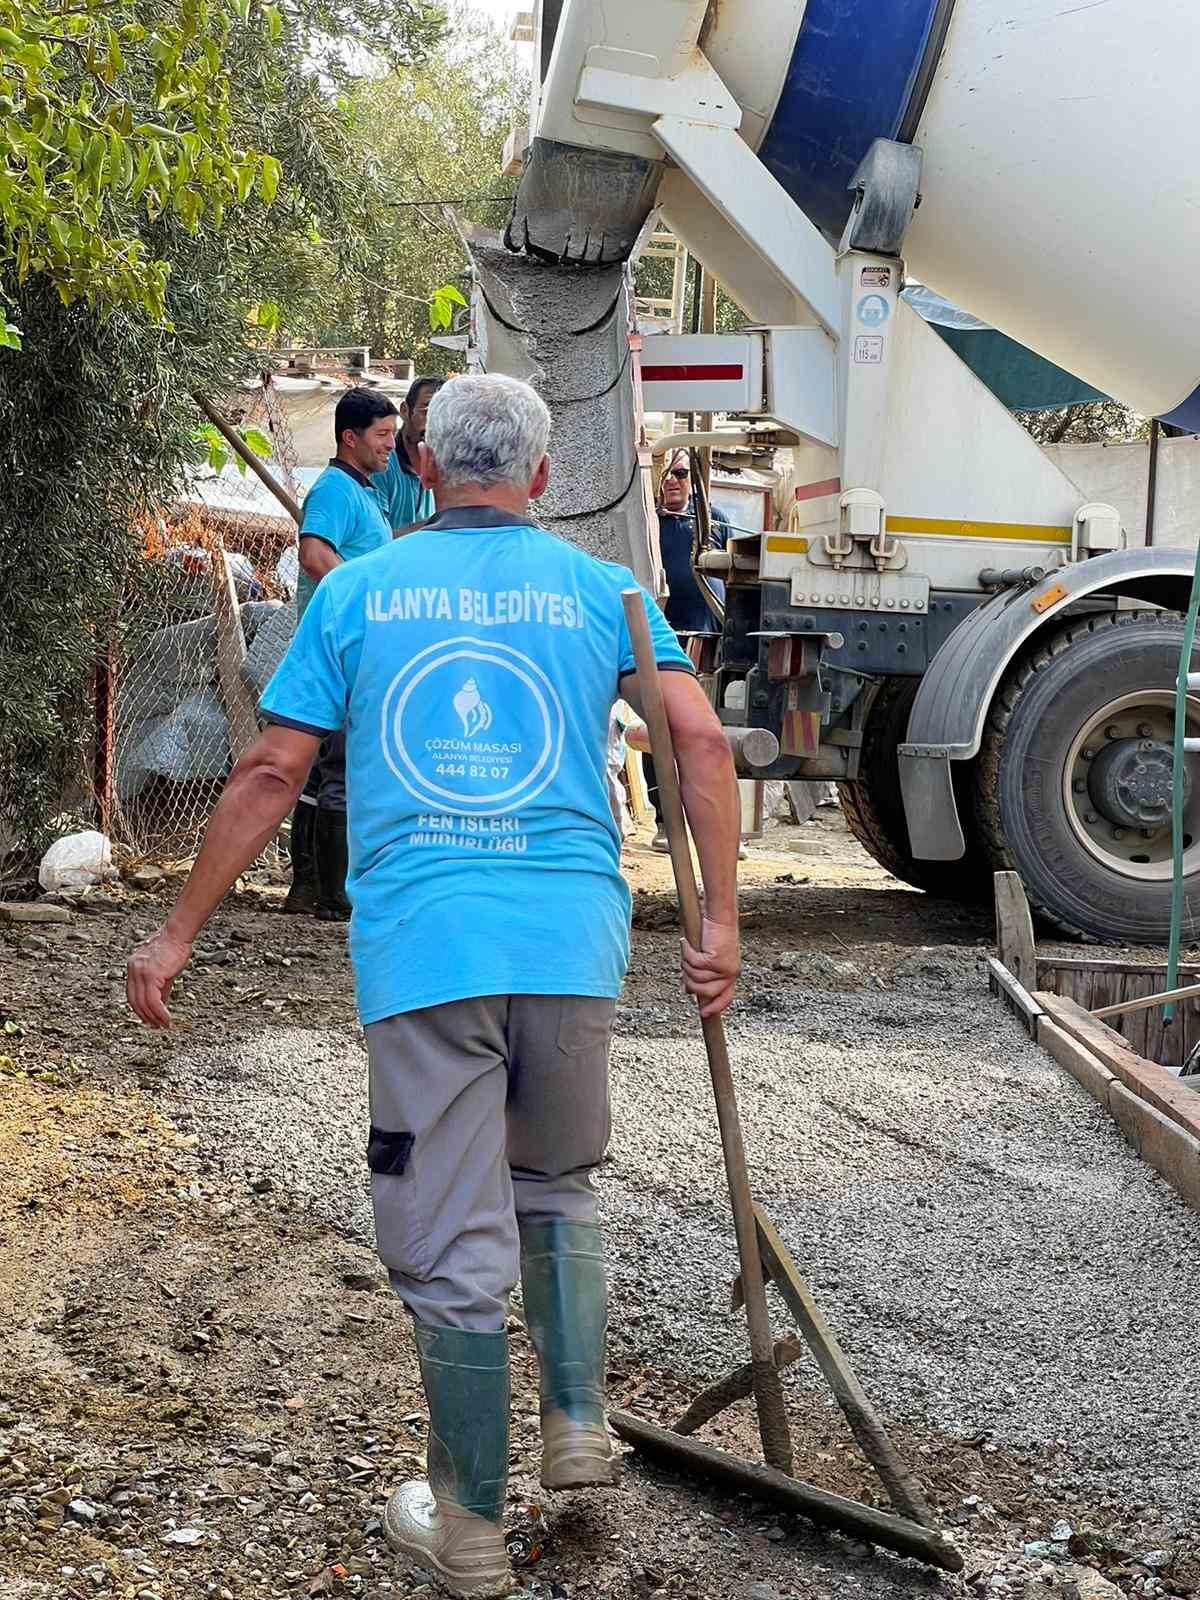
{"x": 205, "y": 1394}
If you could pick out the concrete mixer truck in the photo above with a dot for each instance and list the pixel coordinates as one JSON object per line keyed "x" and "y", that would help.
{"x": 948, "y": 627}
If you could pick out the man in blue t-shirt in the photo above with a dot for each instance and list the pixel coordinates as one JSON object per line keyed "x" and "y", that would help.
{"x": 403, "y": 498}
{"x": 341, "y": 521}
{"x": 474, "y": 665}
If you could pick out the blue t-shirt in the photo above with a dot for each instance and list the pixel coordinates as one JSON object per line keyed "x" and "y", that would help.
{"x": 398, "y": 490}
{"x": 474, "y": 665}
{"x": 342, "y": 509}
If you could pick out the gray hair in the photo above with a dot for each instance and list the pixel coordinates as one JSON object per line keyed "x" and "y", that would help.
{"x": 487, "y": 430}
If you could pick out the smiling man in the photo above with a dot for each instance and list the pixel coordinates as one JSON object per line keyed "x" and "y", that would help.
{"x": 474, "y": 666}
{"x": 341, "y": 521}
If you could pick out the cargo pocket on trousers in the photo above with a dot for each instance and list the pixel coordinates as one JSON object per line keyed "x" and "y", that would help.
{"x": 584, "y": 1024}
{"x": 400, "y": 1234}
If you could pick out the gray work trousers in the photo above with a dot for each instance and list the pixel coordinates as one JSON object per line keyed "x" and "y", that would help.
{"x": 482, "y": 1111}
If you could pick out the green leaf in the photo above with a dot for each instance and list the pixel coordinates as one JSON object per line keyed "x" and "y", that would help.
{"x": 258, "y": 441}
{"x": 274, "y": 21}
{"x": 268, "y": 178}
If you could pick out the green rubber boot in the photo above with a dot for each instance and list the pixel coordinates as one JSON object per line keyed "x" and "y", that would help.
{"x": 451, "y": 1524}
{"x": 332, "y": 865}
{"x": 302, "y": 896}
{"x": 566, "y": 1310}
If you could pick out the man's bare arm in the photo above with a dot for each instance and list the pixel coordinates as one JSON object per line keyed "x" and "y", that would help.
{"x": 262, "y": 788}
{"x": 708, "y": 788}
{"x": 317, "y": 556}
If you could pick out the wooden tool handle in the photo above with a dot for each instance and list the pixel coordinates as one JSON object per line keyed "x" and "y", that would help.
{"x": 768, "y": 1393}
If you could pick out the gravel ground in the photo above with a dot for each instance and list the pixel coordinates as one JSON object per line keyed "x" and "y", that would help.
{"x": 993, "y": 1257}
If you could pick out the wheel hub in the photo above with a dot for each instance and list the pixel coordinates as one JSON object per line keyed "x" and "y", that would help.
{"x": 1129, "y": 782}
{"x": 1117, "y": 785}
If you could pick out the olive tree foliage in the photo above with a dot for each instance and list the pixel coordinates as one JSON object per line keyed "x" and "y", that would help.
{"x": 1092, "y": 422}
{"x": 130, "y": 296}
{"x": 433, "y": 132}
{"x": 110, "y": 115}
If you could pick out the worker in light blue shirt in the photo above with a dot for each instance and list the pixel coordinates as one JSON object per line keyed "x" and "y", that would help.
{"x": 404, "y": 501}
{"x": 474, "y": 666}
{"x": 341, "y": 522}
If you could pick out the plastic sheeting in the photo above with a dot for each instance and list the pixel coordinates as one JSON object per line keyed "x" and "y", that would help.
{"x": 1018, "y": 377}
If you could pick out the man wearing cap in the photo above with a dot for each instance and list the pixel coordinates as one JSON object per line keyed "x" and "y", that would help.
{"x": 474, "y": 665}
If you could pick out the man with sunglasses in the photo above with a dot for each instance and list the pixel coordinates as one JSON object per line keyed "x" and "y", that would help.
{"x": 687, "y": 610}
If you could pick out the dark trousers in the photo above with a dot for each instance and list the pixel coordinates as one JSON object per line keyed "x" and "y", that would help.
{"x": 651, "y": 778}
{"x": 326, "y": 786}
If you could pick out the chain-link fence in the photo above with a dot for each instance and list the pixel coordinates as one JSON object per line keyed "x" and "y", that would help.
{"x": 201, "y": 632}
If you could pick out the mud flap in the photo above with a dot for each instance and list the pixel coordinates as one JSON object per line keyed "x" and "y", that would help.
{"x": 930, "y": 809}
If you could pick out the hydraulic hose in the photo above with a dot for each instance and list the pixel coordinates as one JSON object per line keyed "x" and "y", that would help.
{"x": 1181, "y": 689}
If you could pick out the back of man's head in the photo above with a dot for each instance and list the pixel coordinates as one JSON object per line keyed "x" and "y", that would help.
{"x": 358, "y": 409}
{"x": 487, "y": 431}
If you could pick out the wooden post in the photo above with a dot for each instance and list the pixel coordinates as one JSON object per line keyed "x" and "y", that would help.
{"x": 240, "y": 448}
{"x": 1014, "y": 930}
{"x": 231, "y": 655}
{"x": 768, "y": 1393}
{"x": 102, "y": 766}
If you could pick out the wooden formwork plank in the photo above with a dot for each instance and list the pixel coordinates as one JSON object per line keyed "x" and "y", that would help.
{"x": 1015, "y": 996}
{"x": 1152, "y": 1083}
{"x": 1014, "y": 929}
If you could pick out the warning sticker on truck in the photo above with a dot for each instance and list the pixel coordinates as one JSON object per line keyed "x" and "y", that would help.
{"x": 868, "y": 349}
{"x": 876, "y": 278}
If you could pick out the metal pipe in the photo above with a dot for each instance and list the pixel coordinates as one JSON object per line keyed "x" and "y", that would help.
{"x": 686, "y": 441}
{"x": 1152, "y": 481}
{"x": 751, "y": 748}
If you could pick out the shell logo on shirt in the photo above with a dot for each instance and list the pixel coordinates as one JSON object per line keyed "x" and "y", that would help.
{"x": 473, "y": 709}
{"x": 472, "y": 725}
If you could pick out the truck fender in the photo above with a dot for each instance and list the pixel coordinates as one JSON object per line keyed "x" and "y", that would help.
{"x": 951, "y": 708}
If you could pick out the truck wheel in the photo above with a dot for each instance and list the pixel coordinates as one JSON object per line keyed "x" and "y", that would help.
{"x": 874, "y": 809}
{"x": 1074, "y": 779}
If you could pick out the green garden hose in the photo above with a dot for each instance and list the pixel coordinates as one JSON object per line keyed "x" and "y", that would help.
{"x": 1181, "y": 689}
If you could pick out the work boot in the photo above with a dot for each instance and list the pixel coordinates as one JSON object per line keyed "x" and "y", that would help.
{"x": 332, "y": 864}
{"x": 451, "y": 1524}
{"x": 660, "y": 842}
{"x": 566, "y": 1310}
{"x": 302, "y": 896}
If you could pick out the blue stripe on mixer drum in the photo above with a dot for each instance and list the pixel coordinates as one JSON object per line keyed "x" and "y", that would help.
{"x": 1185, "y": 415}
{"x": 850, "y": 80}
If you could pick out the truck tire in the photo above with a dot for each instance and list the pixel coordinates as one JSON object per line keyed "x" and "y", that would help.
{"x": 874, "y": 809}
{"x": 1074, "y": 779}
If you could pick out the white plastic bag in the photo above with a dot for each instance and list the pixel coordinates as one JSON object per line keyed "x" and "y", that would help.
{"x": 76, "y": 862}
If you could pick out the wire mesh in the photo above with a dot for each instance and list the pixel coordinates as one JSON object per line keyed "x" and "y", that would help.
{"x": 189, "y": 658}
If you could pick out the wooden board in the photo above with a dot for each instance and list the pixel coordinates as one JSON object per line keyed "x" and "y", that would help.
{"x": 1017, "y": 998}
{"x": 231, "y": 656}
{"x": 1154, "y": 1084}
{"x": 1014, "y": 929}
{"x": 1094, "y": 985}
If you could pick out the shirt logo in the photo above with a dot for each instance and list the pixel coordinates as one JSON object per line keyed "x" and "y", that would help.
{"x": 473, "y": 710}
{"x": 472, "y": 771}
